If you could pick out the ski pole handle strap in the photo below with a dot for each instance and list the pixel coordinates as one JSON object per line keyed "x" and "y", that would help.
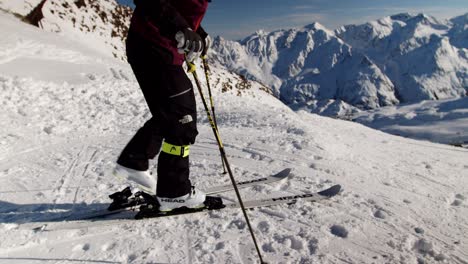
{"x": 182, "y": 151}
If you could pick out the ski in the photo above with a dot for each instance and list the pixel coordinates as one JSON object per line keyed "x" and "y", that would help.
{"x": 126, "y": 201}
{"x": 214, "y": 203}
{"x": 129, "y": 216}
{"x": 282, "y": 175}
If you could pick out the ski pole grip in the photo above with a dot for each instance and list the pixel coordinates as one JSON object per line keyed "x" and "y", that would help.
{"x": 191, "y": 66}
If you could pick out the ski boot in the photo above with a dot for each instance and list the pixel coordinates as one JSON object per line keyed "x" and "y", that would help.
{"x": 143, "y": 179}
{"x": 192, "y": 202}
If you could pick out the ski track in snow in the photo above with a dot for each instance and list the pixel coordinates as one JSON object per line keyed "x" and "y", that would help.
{"x": 404, "y": 201}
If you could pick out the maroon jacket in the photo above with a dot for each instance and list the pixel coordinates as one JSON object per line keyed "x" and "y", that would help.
{"x": 157, "y": 21}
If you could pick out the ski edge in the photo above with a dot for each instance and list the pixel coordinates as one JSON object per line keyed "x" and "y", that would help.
{"x": 280, "y": 176}
{"x": 290, "y": 199}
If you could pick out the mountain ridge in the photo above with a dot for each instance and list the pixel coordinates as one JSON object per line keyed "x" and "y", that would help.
{"x": 359, "y": 67}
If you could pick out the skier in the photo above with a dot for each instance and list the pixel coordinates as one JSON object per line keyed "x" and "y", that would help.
{"x": 162, "y": 34}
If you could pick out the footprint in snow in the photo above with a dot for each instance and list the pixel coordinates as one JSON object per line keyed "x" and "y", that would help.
{"x": 381, "y": 214}
{"x": 237, "y": 224}
{"x": 289, "y": 241}
{"x": 92, "y": 77}
{"x": 318, "y": 158}
{"x": 82, "y": 247}
{"x": 132, "y": 257}
{"x": 339, "y": 231}
{"x": 264, "y": 226}
{"x": 268, "y": 247}
{"x": 406, "y": 201}
{"x": 419, "y": 230}
{"x": 220, "y": 246}
{"x": 426, "y": 248}
{"x": 459, "y": 199}
{"x": 313, "y": 246}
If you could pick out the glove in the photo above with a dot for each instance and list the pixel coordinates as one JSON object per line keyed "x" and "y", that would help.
{"x": 206, "y": 41}
{"x": 190, "y": 43}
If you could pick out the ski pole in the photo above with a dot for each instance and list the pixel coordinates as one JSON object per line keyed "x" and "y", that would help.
{"x": 207, "y": 74}
{"x": 192, "y": 69}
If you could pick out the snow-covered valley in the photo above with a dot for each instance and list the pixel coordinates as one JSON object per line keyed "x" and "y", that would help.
{"x": 443, "y": 121}
{"x": 67, "y": 111}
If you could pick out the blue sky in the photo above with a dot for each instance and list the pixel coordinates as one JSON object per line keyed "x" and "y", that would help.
{"x": 235, "y": 19}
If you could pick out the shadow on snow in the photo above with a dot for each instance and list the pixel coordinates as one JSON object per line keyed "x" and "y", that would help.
{"x": 29, "y": 213}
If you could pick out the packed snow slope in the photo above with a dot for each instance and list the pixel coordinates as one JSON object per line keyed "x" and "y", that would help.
{"x": 404, "y": 201}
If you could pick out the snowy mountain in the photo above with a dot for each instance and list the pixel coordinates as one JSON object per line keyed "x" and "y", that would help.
{"x": 103, "y": 23}
{"x": 398, "y": 59}
{"x": 67, "y": 111}
{"x": 416, "y": 53}
{"x": 459, "y": 32}
{"x": 301, "y": 62}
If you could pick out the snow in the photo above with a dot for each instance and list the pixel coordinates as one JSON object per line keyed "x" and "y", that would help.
{"x": 19, "y": 7}
{"x": 99, "y": 25}
{"x": 444, "y": 121}
{"x": 29, "y": 53}
{"x": 404, "y": 201}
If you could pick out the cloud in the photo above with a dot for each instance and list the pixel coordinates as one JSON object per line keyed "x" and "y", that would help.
{"x": 298, "y": 19}
{"x": 294, "y": 19}
{"x": 304, "y": 7}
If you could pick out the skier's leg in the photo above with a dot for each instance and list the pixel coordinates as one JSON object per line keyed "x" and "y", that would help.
{"x": 144, "y": 145}
{"x": 169, "y": 95}
{"x": 133, "y": 163}
{"x": 180, "y": 130}
{"x": 148, "y": 63}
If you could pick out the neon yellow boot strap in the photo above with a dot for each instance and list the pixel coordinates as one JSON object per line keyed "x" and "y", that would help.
{"x": 182, "y": 151}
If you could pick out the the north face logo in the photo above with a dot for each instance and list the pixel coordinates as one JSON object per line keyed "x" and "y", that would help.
{"x": 186, "y": 119}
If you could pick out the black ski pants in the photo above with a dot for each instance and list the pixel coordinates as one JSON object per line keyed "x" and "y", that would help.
{"x": 171, "y": 100}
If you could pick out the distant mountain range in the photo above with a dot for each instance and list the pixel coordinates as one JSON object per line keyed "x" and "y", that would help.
{"x": 398, "y": 59}
{"x": 404, "y": 58}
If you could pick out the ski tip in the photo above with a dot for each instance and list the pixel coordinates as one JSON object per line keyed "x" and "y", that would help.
{"x": 40, "y": 228}
{"x": 283, "y": 174}
{"x": 332, "y": 191}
